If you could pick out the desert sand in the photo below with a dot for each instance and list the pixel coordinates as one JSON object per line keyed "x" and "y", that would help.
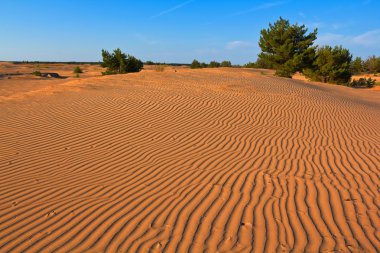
{"x": 210, "y": 160}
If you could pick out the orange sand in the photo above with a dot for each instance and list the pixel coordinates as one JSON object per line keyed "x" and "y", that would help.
{"x": 216, "y": 160}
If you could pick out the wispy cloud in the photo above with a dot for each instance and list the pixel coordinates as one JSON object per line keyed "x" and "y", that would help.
{"x": 260, "y": 7}
{"x": 367, "y": 39}
{"x": 238, "y": 44}
{"x": 171, "y": 9}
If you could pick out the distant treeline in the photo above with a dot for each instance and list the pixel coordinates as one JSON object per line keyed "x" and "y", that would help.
{"x": 92, "y": 63}
{"x": 167, "y": 64}
{"x": 55, "y": 62}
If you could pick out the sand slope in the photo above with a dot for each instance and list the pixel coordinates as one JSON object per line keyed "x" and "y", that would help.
{"x": 190, "y": 161}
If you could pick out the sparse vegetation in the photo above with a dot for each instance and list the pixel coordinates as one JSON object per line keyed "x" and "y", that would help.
{"x": 36, "y": 73}
{"x": 363, "y": 82}
{"x": 77, "y": 70}
{"x": 120, "y": 63}
{"x": 77, "y": 75}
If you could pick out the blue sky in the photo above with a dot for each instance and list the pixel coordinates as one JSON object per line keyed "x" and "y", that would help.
{"x": 175, "y": 30}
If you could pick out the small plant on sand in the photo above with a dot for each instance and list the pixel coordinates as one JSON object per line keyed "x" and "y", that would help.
{"x": 77, "y": 75}
{"x": 120, "y": 63}
{"x": 36, "y": 73}
{"x": 77, "y": 70}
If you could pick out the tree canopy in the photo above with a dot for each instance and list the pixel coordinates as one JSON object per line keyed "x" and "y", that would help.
{"x": 288, "y": 48}
{"x": 119, "y": 62}
{"x": 332, "y": 65}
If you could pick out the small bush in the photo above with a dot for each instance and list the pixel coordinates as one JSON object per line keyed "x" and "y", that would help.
{"x": 77, "y": 75}
{"x": 214, "y": 64}
{"x": 195, "y": 65}
{"x": 78, "y": 70}
{"x": 36, "y": 73}
{"x": 226, "y": 64}
{"x": 204, "y": 65}
{"x": 363, "y": 82}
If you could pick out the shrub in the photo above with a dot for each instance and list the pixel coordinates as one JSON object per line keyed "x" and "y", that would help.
{"x": 78, "y": 70}
{"x": 195, "y": 64}
{"x": 149, "y": 63}
{"x": 250, "y": 65}
{"x": 204, "y": 65}
{"x": 120, "y": 63}
{"x": 363, "y": 82}
{"x": 77, "y": 75}
{"x": 36, "y": 73}
{"x": 332, "y": 65}
{"x": 214, "y": 64}
{"x": 226, "y": 64}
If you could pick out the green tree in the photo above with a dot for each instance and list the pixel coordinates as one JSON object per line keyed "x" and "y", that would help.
{"x": 357, "y": 66}
{"x": 372, "y": 64}
{"x": 332, "y": 65}
{"x": 288, "y": 48}
{"x": 195, "y": 64}
{"x": 226, "y": 64}
{"x": 214, "y": 64}
{"x": 119, "y": 62}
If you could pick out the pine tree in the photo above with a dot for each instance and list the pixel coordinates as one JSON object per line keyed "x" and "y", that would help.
{"x": 288, "y": 48}
{"x": 119, "y": 62}
{"x": 195, "y": 64}
{"x": 332, "y": 65}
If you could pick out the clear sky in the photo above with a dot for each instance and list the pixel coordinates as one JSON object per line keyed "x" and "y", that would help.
{"x": 175, "y": 30}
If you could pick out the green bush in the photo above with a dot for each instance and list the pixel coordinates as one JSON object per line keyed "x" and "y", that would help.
{"x": 36, "y": 73}
{"x": 78, "y": 70}
{"x": 204, "y": 65}
{"x": 363, "y": 82}
{"x": 120, "y": 63}
{"x": 332, "y": 65}
{"x": 250, "y": 65}
{"x": 226, "y": 64}
{"x": 195, "y": 64}
{"x": 214, "y": 64}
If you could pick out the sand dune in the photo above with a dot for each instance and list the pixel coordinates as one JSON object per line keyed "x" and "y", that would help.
{"x": 190, "y": 161}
